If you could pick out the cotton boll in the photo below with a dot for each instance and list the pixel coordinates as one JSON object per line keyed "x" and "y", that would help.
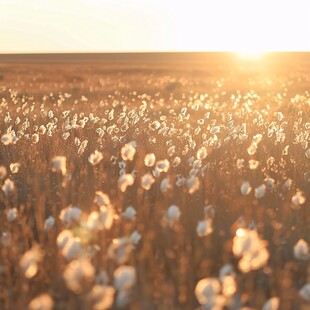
{"x": 29, "y": 262}
{"x": 8, "y": 187}
{"x": 202, "y": 153}
{"x": 124, "y": 278}
{"x": 72, "y": 249}
{"x": 101, "y": 297}
{"x": 207, "y": 290}
{"x": 260, "y": 191}
{"x": 245, "y": 188}
{"x": 14, "y": 167}
{"x": 120, "y": 249}
{"x": 163, "y": 165}
{"x": 95, "y": 158}
{"x": 124, "y": 181}
{"x": 301, "y": 250}
{"x": 146, "y": 181}
{"x": 173, "y": 214}
{"x": 49, "y": 223}
{"x": 135, "y": 237}
{"x": 101, "y": 199}
{"x": 41, "y": 302}
{"x": 165, "y": 185}
{"x": 204, "y": 228}
{"x": 70, "y": 215}
{"x": 59, "y": 164}
{"x": 298, "y": 199}
{"x": 304, "y": 292}
{"x": 63, "y": 238}
{"x": 11, "y": 215}
{"x": 272, "y": 304}
{"x": 128, "y": 152}
{"x": 149, "y": 160}
{"x": 130, "y": 213}
{"x": 77, "y": 273}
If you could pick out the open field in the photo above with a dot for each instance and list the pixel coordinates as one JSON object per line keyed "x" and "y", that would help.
{"x": 155, "y": 181}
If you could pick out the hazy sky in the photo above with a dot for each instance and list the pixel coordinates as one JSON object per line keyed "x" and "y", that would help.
{"x": 153, "y": 25}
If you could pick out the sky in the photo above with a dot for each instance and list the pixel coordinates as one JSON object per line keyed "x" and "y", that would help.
{"x": 33, "y": 26}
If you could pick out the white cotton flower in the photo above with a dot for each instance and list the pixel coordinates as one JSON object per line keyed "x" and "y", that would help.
{"x": 147, "y": 181}
{"x": 252, "y": 149}
{"x": 173, "y": 214}
{"x": 135, "y": 237}
{"x": 163, "y": 165}
{"x": 164, "y": 185}
{"x": 298, "y": 199}
{"x": 7, "y": 139}
{"x": 128, "y": 151}
{"x": 240, "y": 163}
{"x": 130, "y": 213}
{"x": 59, "y": 164}
{"x": 120, "y": 249}
{"x": 270, "y": 183}
{"x": 304, "y": 292}
{"x": 70, "y": 215}
{"x": 30, "y": 260}
{"x": 63, "y": 238}
{"x": 77, "y": 273}
{"x": 253, "y": 164}
{"x": 72, "y": 249}
{"x": 82, "y": 147}
{"x": 229, "y": 285}
{"x": 288, "y": 184}
{"x": 171, "y": 151}
{"x": 180, "y": 181}
{"x": 35, "y": 138}
{"x": 207, "y": 290}
{"x": 106, "y": 217}
{"x": 122, "y": 298}
{"x": 14, "y": 167}
{"x": 11, "y": 215}
{"x": 226, "y": 270}
{"x": 176, "y": 162}
{"x": 202, "y": 153}
{"x": 101, "y": 199}
{"x": 124, "y": 278}
{"x": 193, "y": 184}
{"x": 149, "y": 160}
{"x": 95, "y": 158}
{"x": 260, "y": 191}
{"x": 41, "y": 302}
{"x": 245, "y": 188}
{"x": 124, "y": 181}
{"x": 49, "y": 223}
{"x": 204, "y": 228}
{"x": 156, "y": 172}
{"x": 301, "y": 250}
{"x": 251, "y": 249}
{"x": 8, "y": 187}
{"x": 102, "y": 297}
{"x": 272, "y": 303}
{"x": 214, "y": 130}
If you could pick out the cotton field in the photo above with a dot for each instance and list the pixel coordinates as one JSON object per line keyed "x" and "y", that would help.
{"x": 148, "y": 188}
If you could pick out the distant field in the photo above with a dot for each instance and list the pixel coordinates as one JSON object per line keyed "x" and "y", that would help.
{"x": 155, "y": 181}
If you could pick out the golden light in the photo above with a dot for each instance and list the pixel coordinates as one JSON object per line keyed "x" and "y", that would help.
{"x": 250, "y": 55}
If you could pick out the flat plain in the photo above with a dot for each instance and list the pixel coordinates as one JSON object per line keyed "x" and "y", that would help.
{"x": 155, "y": 181}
